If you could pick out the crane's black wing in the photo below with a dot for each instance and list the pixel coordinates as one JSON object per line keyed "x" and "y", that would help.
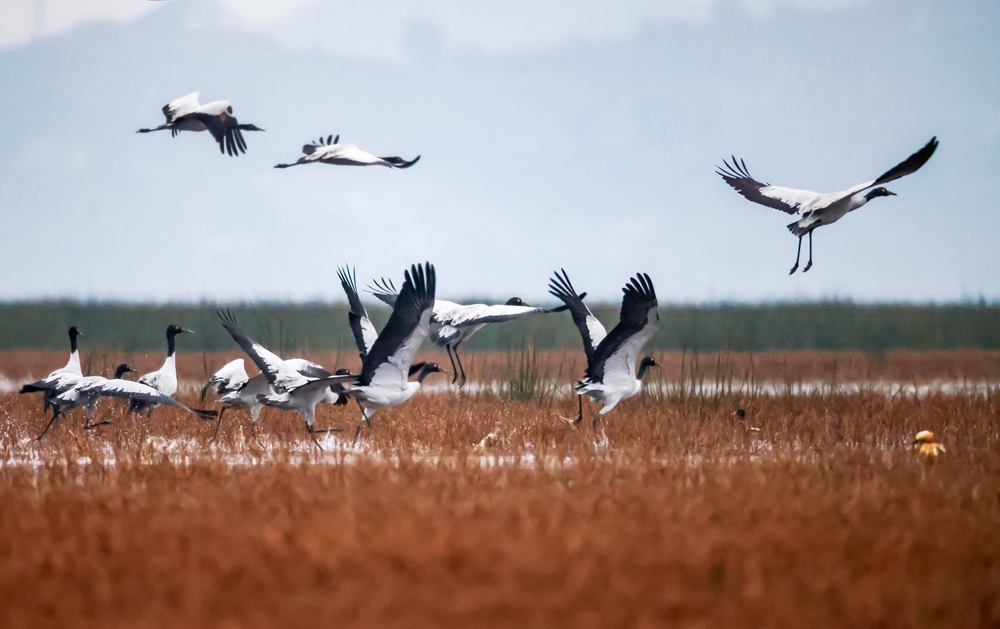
{"x": 639, "y": 298}
{"x": 364, "y": 332}
{"x": 226, "y": 131}
{"x": 909, "y": 165}
{"x": 591, "y": 329}
{"x": 391, "y": 355}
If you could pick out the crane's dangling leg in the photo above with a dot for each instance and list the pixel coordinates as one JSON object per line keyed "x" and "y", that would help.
{"x": 810, "y": 263}
{"x": 88, "y": 426}
{"x": 798, "y": 254}
{"x": 458, "y": 359}
{"x": 454, "y": 369}
{"x": 364, "y": 415}
{"x": 218, "y": 424}
{"x": 579, "y": 417}
{"x": 55, "y": 416}
{"x": 312, "y": 435}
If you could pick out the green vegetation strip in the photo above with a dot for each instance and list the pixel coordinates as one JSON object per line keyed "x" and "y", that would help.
{"x": 789, "y": 326}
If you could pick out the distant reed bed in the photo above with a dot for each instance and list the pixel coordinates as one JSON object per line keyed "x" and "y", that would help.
{"x": 832, "y": 325}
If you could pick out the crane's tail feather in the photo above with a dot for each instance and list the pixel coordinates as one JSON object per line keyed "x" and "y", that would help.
{"x": 798, "y": 230}
{"x": 205, "y": 414}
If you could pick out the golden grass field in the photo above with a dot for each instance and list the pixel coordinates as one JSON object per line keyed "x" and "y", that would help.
{"x": 478, "y": 509}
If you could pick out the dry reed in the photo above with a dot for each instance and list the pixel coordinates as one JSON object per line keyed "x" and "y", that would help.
{"x": 482, "y": 510}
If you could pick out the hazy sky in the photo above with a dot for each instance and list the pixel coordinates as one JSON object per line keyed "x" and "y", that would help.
{"x": 555, "y": 134}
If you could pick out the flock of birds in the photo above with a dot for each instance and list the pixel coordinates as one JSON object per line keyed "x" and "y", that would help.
{"x": 188, "y": 114}
{"x": 813, "y": 209}
{"x": 388, "y": 376}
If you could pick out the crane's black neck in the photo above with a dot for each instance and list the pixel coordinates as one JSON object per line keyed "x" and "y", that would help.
{"x": 425, "y": 370}
{"x": 73, "y": 333}
{"x": 414, "y": 368}
{"x": 121, "y": 371}
{"x": 171, "y": 343}
{"x": 643, "y": 366}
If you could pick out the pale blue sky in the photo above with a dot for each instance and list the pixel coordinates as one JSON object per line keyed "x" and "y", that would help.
{"x": 558, "y": 134}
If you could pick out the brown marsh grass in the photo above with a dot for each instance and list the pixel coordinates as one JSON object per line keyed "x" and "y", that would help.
{"x": 481, "y": 510}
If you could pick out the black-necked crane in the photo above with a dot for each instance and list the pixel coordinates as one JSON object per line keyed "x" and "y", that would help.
{"x": 816, "y": 209}
{"x": 83, "y": 394}
{"x": 187, "y": 114}
{"x": 611, "y": 357}
{"x": 332, "y": 152}
{"x": 459, "y": 322}
{"x": 61, "y": 379}
{"x": 141, "y": 397}
{"x": 298, "y": 385}
{"x": 385, "y": 371}
{"x": 164, "y": 379}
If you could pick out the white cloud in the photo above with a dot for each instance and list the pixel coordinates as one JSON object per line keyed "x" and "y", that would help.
{"x": 382, "y": 29}
{"x": 26, "y": 20}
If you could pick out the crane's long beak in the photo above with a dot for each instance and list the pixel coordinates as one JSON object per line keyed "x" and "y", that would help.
{"x": 890, "y": 193}
{"x": 188, "y": 331}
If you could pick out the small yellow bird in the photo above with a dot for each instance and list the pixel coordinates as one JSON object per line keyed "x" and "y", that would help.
{"x": 928, "y": 447}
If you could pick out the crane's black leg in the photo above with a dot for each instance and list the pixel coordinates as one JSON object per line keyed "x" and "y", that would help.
{"x": 55, "y": 416}
{"x": 312, "y": 435}
{"x": 364, "y": 415}
{"x": 798, "y": 254}
{"x": 218, "y": 423}
{"x": 87, "y": 425}
{"x": 87, "y": 415}
{"x": 460, "y": 367}
{"x": 579, "y": 417}
{"x": 810, "y": 263}
{"x": 454, "y": 370}
{"x": 593, "y": 424}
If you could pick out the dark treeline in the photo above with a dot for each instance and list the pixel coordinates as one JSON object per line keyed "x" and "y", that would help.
{"x": 283, "y": 327}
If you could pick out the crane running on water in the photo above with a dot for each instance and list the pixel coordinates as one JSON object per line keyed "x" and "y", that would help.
{"x": 611, "y": 358}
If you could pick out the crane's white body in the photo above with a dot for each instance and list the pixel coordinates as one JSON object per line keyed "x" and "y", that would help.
{"x": 137, "y": 393}
{"x": 163, "y": 379}
{"x": 819, "y": 208}
{"x": 390, "y": 385}
{"x": 83, "y": 393}
{"x": 331, "y": 151}
{"x": 303, "y": 401}
{"x": 620, "y": 380}
{"x": 246, "y": 396}
{"x": 304, "y": 396}
{"x": 60, "y": 380}
{"x": 343, "y": 155}
{"x": 180, "y": 112}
